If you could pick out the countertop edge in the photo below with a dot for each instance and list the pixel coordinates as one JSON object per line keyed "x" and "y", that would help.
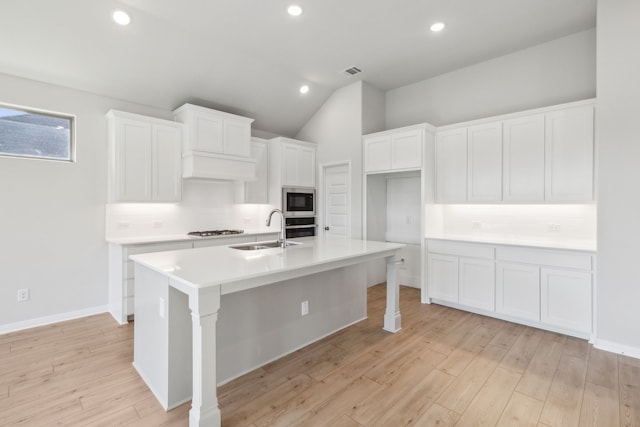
{"x": 589, "y": 247}
{"x": 126, "y": 241}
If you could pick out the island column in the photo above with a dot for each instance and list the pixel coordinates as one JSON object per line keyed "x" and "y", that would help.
{"x": 204, "y": 304}
{"x": 392, "y": 319}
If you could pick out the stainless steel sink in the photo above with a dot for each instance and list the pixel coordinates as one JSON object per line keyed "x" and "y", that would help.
{"x": 262, "y": 245}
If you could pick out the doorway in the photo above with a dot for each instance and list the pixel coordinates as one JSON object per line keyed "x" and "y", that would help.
{"x": 336, "y": 199}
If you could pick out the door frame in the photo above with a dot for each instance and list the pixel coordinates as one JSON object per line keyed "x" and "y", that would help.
{"x": 320, "y": 213}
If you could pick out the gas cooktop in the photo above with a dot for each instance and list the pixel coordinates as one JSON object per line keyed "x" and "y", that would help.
{"x": 209, "y": 233}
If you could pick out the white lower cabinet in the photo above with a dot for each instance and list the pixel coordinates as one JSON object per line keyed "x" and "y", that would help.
{"x": 443, "y": 277}
{"x": 547, "y": 288}
{"x": 518, "y": 290}
{"x": 476, "y": 284}
{"x": 566, "y": 298}
{"x": 121, "y": 270}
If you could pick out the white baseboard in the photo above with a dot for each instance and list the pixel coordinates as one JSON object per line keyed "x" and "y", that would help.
{"x": 614, "y": 347}
{"x": 47, "y": 320}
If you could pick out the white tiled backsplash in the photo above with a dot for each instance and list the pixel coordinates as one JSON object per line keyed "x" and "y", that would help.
{"x": 205, "y": 205}
{"x": 548, "y": 221}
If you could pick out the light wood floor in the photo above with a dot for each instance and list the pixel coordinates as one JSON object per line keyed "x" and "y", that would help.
{"x": 444, "y": 368}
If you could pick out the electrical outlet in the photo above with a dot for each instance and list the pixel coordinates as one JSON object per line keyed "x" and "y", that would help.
{"x": 23, "y": 295}
{"x": 304, "y": 309}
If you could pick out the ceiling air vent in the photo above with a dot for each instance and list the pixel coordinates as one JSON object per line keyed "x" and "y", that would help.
{"x": 352, "y": 71}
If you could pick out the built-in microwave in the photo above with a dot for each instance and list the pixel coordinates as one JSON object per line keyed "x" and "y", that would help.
{"x": 298, "y": 201}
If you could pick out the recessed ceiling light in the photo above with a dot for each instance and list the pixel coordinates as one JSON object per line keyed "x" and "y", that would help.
{"x": 304, "y": 89}
{"x": 294, "y": 10}
{"x": 121, "y": 17}
{"x": 438, "y": 26}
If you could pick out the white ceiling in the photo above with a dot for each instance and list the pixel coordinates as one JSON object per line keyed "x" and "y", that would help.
{"x": 249, "y": 57}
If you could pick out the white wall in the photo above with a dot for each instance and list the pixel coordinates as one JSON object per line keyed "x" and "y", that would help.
{"x": 337, "y": 129}
{"x": 52, "y": 215}
{"x": 618, "y": 292}
{"x": 536, "y": 223}
{"x": 559, "y": 71}
{"x": 205, "y": 205}
{"x": 373, "y": 109}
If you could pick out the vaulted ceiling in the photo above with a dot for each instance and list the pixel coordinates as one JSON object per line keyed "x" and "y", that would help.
{"x": 250, "y": 57}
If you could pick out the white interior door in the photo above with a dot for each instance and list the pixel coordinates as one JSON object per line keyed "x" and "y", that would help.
{"x": 336, "y": 188}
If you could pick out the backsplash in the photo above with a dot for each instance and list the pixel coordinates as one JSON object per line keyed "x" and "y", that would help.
{"x": 548, "y": 221}
{"x": 205, "y": 205}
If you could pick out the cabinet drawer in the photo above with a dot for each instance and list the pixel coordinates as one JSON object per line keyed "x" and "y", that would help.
{"x": 545, "y": 257}
{"x": 157, "y": 247}
{"x": 471, "y": 250}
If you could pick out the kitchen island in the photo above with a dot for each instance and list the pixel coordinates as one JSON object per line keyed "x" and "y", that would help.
{"x": 178, "y": 299}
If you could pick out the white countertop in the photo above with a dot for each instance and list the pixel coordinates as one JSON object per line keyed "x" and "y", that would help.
{"x": 560, "y": 243}
{"x": 138, "y": 240}
{"x": 223, "y": 265}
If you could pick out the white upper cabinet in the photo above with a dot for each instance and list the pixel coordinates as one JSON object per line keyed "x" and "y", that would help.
{"x": 394, "y": 150}
{"x": 569, "y": 146}
{"x": 216, "y": 132}
{"x": 484, "y": 172}
{"x": 166, "y": 172}
{"x": 451, "y": 165}
{"x": 291, "y": 163}
{"x": 377, "y": 153}
{"x": 257, "y": 191}
{"x": 299, "y": 165}
{"x": 543, "y": 156}
{"x": 144, "y": 158}
{"x": 523, "y": 159}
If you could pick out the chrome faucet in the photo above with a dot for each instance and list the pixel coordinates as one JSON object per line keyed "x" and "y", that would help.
{"x": 282, "y": 241}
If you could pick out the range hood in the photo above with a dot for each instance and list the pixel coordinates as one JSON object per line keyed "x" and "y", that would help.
{"x": 201, "y": 165}
{"x": 216, "y": 144}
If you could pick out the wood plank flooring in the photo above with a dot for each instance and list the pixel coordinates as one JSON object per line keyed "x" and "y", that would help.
{"x": 444, "y": 368}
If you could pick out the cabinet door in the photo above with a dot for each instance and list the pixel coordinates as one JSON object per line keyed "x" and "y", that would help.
{"x": 569, "y": 154}
{"x": 208, "y": 133}
{"x": 377, "y": 153}
{"x": 477, "y": 283}
{"x": 566, "y": 299}
{"x": 443, "y": 277}
{"x": 484, "y": 153}
{"x": 299, "y": 165}
{"x": 237, "y": 141}
{"x": 257, "y": 191}
{"x": 167, "y": 159}
{"x": 133, "y": 160}
{"x": 406, "y": 150}
{"x": 523, "y": 161}
{"x": 290, "y": 166}
{"x": 451, "y": 166}
{"x": 306, "y": 167}
{"x": 518, "y": 290}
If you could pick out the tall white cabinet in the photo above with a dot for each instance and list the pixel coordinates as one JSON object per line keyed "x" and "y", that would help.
{"x": 398, "y": 181}
{"x": 144, "y": 158}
